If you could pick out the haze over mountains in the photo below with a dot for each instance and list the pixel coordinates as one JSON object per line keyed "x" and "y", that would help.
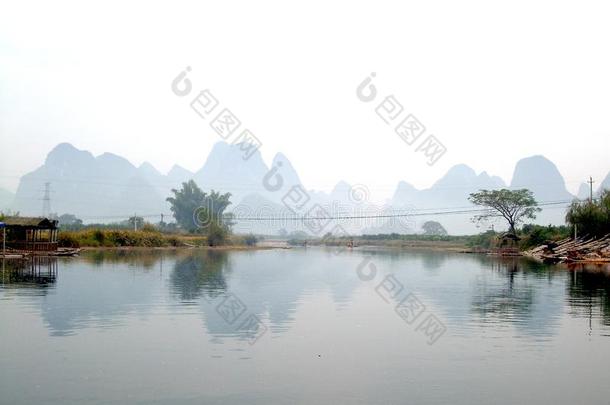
{"x": 108, "y": 188}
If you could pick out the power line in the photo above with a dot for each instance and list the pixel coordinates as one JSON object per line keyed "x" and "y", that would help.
{"x": 395, "y": 214}
{"x": 417, "y": 214}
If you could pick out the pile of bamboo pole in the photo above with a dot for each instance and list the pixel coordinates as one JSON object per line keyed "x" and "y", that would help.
{"x": 585, "y": 250}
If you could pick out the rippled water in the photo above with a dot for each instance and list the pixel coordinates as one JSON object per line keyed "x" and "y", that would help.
{"x": 302, "y": 326}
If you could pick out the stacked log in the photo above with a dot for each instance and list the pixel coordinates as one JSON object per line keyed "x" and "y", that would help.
{"x": 580, "y": 250}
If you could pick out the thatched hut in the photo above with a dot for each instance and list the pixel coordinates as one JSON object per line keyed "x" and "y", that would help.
{"x": 31, "y": 234}
{"x": 507, "y": 244}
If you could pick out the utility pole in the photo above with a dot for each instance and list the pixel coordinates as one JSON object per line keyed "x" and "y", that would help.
{"x": 135, "y": 221}
{"x": 46, "y": 200}
{"x": 161, "y": 219}
{"x": 591, "y": 189}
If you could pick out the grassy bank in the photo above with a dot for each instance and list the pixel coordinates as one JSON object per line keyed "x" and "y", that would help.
{"x": 531, "y": 236}
{"x": 127, "y": 238}
{"x": 449, "y": 243}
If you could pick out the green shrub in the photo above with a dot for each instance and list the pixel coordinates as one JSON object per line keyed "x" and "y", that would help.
{"x": 99, "y": 236}
{"x": 68, "y": 239}
{"x": 535, "y": 235}
{"x": 217, "y": 234}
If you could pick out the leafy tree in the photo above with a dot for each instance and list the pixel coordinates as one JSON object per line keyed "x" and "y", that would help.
{"x": 297, "y": 237}
{"x": 197, "y": 211}
{"x": 70, "y": 221}
{"x": 591, "y": 218}
{"x": 217, "y": 203}
{"x": 433, "y": 228}
{"x": 184, "y": 204}
{"x": 513, "y": 205}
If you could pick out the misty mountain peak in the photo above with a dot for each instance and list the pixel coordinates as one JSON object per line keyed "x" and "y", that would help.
{"x": 404, "y": 186}
{"x": 115, "y": 164}
{"x": 405, "y": 193}
{"x": 228, "y": 168}
{"x": 458, "y": 175}
{"x": 490, "y": 182}
{"x": 179, "y": 171}
{"x": 289, "y": 174}
{"x": 148, "y": 169}
{"x": 462, "y": 170}
{"x": 66, "y": 154}
{"x": 605, "y": 184}
{"x": 64, "y": 147}
{"x": 228, "y": 156}
{"x": 111, "y": 157}
{"x": 540, "y": 175}
{"x": 535, "y": 167}
{"x": 341, "y": 190}
{"x": 583, "y": 191}
{"x": 280, "y": 157}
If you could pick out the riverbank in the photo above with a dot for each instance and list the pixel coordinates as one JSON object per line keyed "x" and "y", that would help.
{"x": 447, "y": 245}
{"x": 128, "y": 239}
{"x": 181, "y": 248}
{"x": 96, "y": 239}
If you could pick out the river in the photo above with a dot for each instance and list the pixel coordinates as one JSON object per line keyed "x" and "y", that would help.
{"x": 304, "y": 325}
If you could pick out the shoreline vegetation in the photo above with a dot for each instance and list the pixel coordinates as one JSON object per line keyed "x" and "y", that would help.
{"x": 201, "y": 222}
{"x": 146, "y": 238}
{"x": 150, "y": 237}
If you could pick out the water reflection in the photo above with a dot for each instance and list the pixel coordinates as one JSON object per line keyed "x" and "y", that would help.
{"x": 521, "y": 293}
{"x": 146, "y": 259}
{"x": 266, "y": 286}
{"x": 201, "y": 272}
{"x": 148, "y": 327}
{"x": 106, "y": 289}
{"x": 35, "y": 272}
{"x": 589, "y": 292}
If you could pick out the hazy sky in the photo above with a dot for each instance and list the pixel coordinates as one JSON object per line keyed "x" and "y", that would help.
{"x": 493, "y": 82}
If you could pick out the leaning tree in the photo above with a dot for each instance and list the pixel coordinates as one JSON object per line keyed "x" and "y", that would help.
{"x": 512, "y": 205}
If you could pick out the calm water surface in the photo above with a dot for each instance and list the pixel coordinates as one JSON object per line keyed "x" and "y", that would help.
{"x": 302, "y": 326}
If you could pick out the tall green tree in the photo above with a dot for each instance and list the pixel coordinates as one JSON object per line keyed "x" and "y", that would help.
{"x": 591, "y": 218}
{"x": 514, "y": 206}
{"x": 197, "y": 211}
{"x": 184, "y": 204}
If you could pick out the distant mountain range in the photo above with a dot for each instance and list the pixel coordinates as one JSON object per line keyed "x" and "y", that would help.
{"x": 108, "y": 188}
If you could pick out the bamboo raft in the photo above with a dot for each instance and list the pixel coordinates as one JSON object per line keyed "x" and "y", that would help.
{"x": 580, "y": 250}
{"x": 19, "y": 254}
